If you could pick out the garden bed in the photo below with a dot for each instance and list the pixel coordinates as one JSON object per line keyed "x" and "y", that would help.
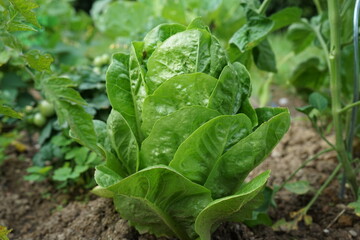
{"x": 37, "y": 211}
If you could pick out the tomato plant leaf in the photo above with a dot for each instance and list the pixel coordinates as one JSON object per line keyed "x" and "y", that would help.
{"x": 285, "y": 17}
{"x": 25, "y": 7}
{"x": 264, "y": 57}
{"x": 299, "y": 187}
{"x": 38, "y": 61}
{"x": 318, "y": 101}
{"x": 9, "y": 112}
{"x": 253, "y": 32}
{"x": 308, "y": 74}
{"x": 301, "y": 36}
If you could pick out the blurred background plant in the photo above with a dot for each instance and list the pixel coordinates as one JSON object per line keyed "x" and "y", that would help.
{"x": 44, "y": 40}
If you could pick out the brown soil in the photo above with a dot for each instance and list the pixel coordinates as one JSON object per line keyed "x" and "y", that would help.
{"x": 35, "y": 211}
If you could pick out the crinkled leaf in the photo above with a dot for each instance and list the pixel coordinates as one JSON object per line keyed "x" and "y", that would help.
{"x": 119, "y": 91}
{"x": 159, "y": 34}
{"x": 228, "y": 208}
{"x": 232, "y": 168}
{"x": 102, "y": 137}
{"x": 18, "y": 26}
{"x": 38, "y": 61}
{"x": 25, "y": 7}
{"x": 198, "y": 23}
{"x": 197, "y": 155}
{"x": 185, "y": 52}
{"x": 160, "y": 201}
{"x": 60, "y": 89}
{"x": 231, "y": 89}
{"x": 170, "y": 131}
{"x": 105, "y": 177}
{"x": 177, "y": 92}
{"x": 137, "y": 77}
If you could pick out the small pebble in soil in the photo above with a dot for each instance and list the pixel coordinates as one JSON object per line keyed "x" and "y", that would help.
{"x": 326, "y": 231}
{"x": 283, "y": 101}
{"x": 353, "y": 233}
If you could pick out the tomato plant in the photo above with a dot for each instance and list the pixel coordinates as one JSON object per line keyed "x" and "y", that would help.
{"x": 46, "y": 108}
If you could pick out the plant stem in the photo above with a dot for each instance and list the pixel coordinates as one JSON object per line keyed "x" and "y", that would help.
{"x": 344, "y": 109}
{"x": 321, "y": 133}
{"x": 354, "y": 113}
{"x": 318, "y": 6}
{"x": 264, "y": 6}
{"x": 303, "y": 165}
{"x": 32, "y": 75}
{"x": 335, "y": 80}
{"x": 321, "y": 189}
{"x": 320, "y": 39}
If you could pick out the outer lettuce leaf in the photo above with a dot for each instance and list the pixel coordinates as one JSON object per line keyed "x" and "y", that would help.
{"x": 229, "y": 208}
{"x": 197, "y": 155}
{"x": 177, "y": 92}
{"x": 105, "y": 176}
{"x": 123, "y": 141}
{"x": 233, "y": 167}
{"x": 185, "y": 52}
{"x": 161, "y": 201}
{"x": 170, "y": 131}
{"x": 112, "y": 170}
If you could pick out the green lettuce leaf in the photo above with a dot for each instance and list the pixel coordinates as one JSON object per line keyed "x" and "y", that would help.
{"x": 160, "y": 201}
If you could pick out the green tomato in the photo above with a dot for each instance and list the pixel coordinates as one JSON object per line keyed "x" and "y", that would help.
{"x": 46, "y": 108}
{"x": 39, "y": 120}
{"x": 98, "y": 61}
